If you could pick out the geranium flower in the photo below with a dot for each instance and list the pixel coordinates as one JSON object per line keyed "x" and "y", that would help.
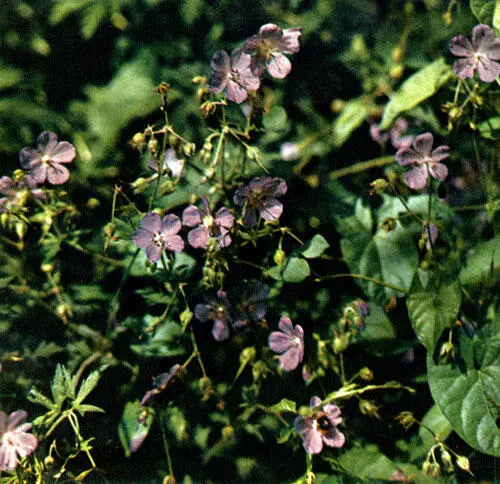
{"x": 217, "y": 310}
{"x": 17, "y": 192}
{"x": 253, "y": 304}
{"x": 268, "y": 47}
{"x": 289, "y": 342}
{"x": 321, "y": 428}
{"x": 430, "y": 234}
{"x": 207, "y": 225}
{"x": 424, "y": 160}
{"x": 479, "y": 55}
{"x": 233, "y": 74}
{"x": 157, "y": 234}
{"x": 45, "y": 161}
{"x": 260, "y": 194}
{"x": 14, "y": 439}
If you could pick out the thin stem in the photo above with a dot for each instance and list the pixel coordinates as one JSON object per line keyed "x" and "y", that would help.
{"x": 198, "y": 354}
{"x": 365, "y": 278}
{"x": 361, "y": 166}
{"x": 167, "y": 451}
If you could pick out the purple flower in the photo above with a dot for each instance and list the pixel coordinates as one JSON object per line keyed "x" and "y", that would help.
{"x": 430, "y": 235}
{"x": 14, "y": 439}
{"x": 479, "y": 55}
{"x": 207, "y": 225}
{"x": 253, "y": 304}
{"x": 217, "y": 310}
{"x": 171, "y": 162}
{"x": 424, "y": 161}
{"x": 321, "y": 428}
{"x": 157, "y": 234}
{"x": 260, "y": 194}
{"x": 289, "y": 342}
{"x": 45, "y": 161}
{"x": 233, "y": 74}
{"x": 395, "y": 134}
{"x": 268, "y": 47}
{"x": 160, "y": 383}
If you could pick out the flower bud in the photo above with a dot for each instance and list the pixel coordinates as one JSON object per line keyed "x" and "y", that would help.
{"x": 397, "y": 71}
{"x": 153, "y": 147}
{"x": 378, "y": 186}
{"x": 279, "y": 257}
{"x": 47, "y": 268}
{"x": 447, "y": 349}
{"x": 397, "y": 54}
{"x": 93, "y": 203}
{"x": 389, "y": 224}
{"x": 337, "y": 105}
{"x": 463, "y": 463}
{"x": 227, "y": 432}
{"x": 436, "y": 470}
{"x": 253, "y": 153}
{"x": 247, "y": 355}
{"x": 366, "y": 374}
{"x": 340, "y": 343}
{"x": 185, "y": 317}
{"x": 138, "y": 141}
{"x": 198, "y": 80}
{"x": 446, "y": 458}
{"x": 427, "y": 468}
{"x": 189, "y": 149}
{"x": 366, "y": 407}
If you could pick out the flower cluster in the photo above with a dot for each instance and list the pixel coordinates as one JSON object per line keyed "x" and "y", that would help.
{"x": 46, "y": 163}
{"x": 480, "y": 55}
{"x": 251, "y": 306}
{"x": 259, "y": 196}
{"x": 321, "y": 427}
{"x": 16, "y": 191}
{"x": 14, "y": 439}
{"x": 425, "y": 161}
{"x": 241, "y": 72}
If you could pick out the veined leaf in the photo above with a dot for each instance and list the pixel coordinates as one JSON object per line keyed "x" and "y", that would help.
{"x": 351, "y": 117}
{"x": 284, "y": 405}
{"x": 87, "y": 386}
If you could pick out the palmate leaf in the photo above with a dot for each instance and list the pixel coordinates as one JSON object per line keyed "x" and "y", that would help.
{"x": 485, "y": 10}
{"x": 470, "y": 397}
{"x": 62, "y": 386}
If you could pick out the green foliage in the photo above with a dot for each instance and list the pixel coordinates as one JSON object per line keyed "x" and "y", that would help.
{"x": 132, "y": 430}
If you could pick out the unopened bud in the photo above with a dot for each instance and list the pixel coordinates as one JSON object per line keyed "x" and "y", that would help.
{"x": 253, "y": 153}
{"x": 138, "y": 141}
{"x": 447, "y": 462}
{"x": 247, "y": 355}
{"x": 189, "y": 149}
{"x": 389, "y": 224}
{"x": 366, "y": 407}
{"x": 185, "y": 317}
{"x": 227, "y": 432}
{"x": 279, "y": 257}
{"x": 397, "y": 54}
{"x": 397, "y": 71}
{"x": 198, "y": 80}
{"x": 153, "y": 146}
{"x": 47, "y": 268}
{"x": 340, "y": 344}
{"x": 463, "y": 463}
{"x": 447, "y": 349}
{"x": 93, "y": 203}
{"x": 447, "y": 18}
{"x": 366, "y": 374}
{"x": 378, "y": 186}
{"x": 337, "y": 105}
{"x": 427, "y": 468}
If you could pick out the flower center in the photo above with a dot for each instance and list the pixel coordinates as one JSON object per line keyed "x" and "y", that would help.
{"x": 323, "y": 423}
{"x": 296, "y": 342}
{"x": 45, "y": 159}
{"x": 158, "y": 239}
{"x": 208, "y": 221}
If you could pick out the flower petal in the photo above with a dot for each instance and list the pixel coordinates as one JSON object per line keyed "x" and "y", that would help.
{"x": 250, "y": 217}
{"x": 271, "y": 210}
{"x": 171, "y": 224}
{"x": 285, "y": 324}
{"x": 57, "y": 174}
{"x": 64, "y": 152}
{"x": 464, "y": 68}
{"x": 291, "y": 358}
{"x": 438, "y": 171}
{"x": 482, "y": 37}
{"x": 46, "y": 142}
{"x": 302, "y": 424}
{"x": 142, "y": 238}
{"x": 290, "y": 42}
{"x": 407, "y": 156}
{"x": 333, "y": 413}
{"x": 493, "y": 50}
{"x": 220, "y": 62}
{"x": 39, "y": 172}
{"x": 461, "y": 46}
{"x": 334, "y": 438}
{"x": 220, "y": 331}
{"x": 217, "y": 82}
{"x": 174, "y": 243}
{"x": 201, "y": 312}
{"x": 235, "y": 93}
{"x": 27, "y": 156}
{"x": 224, "y": 217}
{"x": 488, "y": 70}
{"x": 279, "y": 342}
{"x": 279, "y": 66}
{"x": 152, "y": 222}
{"x": 423, "y": 144}
{"x": 198, "y": 237}
{"x": 153, "y": 252}
{"x": 15, "y": 419}
{"x": 416, "y": 178}
{"x": 313, "y": 442}
{"x": 440, "y": 153}
{"x": 191, "y": 217}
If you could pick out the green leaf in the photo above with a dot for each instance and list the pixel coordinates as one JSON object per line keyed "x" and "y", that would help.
{"x": 483, "y": 265}
{"x": 432, "y": 310}
{"x": 496, "y": 15}
{"x": 315, "y": 247}
{"x": 484, "y": 10}
{"x": 10, "y": 76}
{"x": 191, "y": 10}
{"x": 276, "y": 119}
{"x": 417, "y": 88}
{"x": 62, "y": 386}
{"x": 351, "y": 117}
{"x": 89, "y": 408}
{"x": 470, "y": 398}
{"x": 366, "y": 464}
{"x": 490, "y": 129}
{"x": 131, "y": 430}
{"x": 40, "y": 399}
{"x": 284, "y": 405}
{"x": 296, "y": 270}
{"x": 87, "y": 386}
{"x": 378, "y": 326}
{"x": 176, "y": 422}
{"x": 166, "y": 341}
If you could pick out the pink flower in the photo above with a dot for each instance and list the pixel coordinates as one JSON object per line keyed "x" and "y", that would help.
{"x": 207, "y": 225}
{"x": 218, "y": 311}
{"x": 260, "y": 194}
{"x": 233, "y": 74}
{"x": 45, "y": 161}
{"x": 479, "y": 55}
{"x": 157, "y": 234}
{"x": 289, "y": 341}
{"x": 14, "y": 439}
{"x": 268, "y": 47}
{"x": 321, "y": 428}
{"x": 424, "y": 160}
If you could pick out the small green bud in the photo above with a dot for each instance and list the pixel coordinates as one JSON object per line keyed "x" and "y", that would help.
{"x": 427, "y": 468}
{"x": 185, "y": 317}
{"x": 189, "y": 149}
{"x": 389, "y": 224}
{"x": 397, "y": 71}
{"x": 279, "y": 257}
{"x": 227, "y": 432}
{"x": 247, "y": 355}
{"x": 253, "y": 153}
{"x": 138, "y": 141}
{"x": 93, "y": 203}
{"x": 340, "y": 343}
{"x": 397, "y": 54}
{"x": 153, "y": 146}
{"x": 366, "y": 374}
{"x": 446, "y": 458}
{"x": 378, "y": 186}
{"x": 463, "y": 463}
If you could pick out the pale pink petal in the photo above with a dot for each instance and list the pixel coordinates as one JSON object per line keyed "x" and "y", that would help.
{"x": 334, "y": 438}
{"x": 191, "y": 217}
{"x": 488, "y": 70}
{"x": 440, "y": 153}
{"x": 201, "y": 312}
{"x": 315, "y": 402}
{"x": 27, "y": 156}
{"x": 142, "y": 238}
{"x": 416, "y": 178}
{"x": 64, "y": 152}
{"x": 15, "y": 419}
{"x": 224, "y": 238}
{"x": 285, "y": 324}
{"x": 217, "y": 82}
{"x": 236, "y": 93}
{"x": 461, "y": 46}
{"x": 291, "y": 358}
{"x": 313, "y": 442}
{"x": 423, "y": 144}
{"x": 224, "y": 217}
{"x": 57, "y": 174}
{"x": 279, "y": 342}
{"x": 250, "y": 217}
{"x": 3, "y": 422}
{"x": 271, "y": 32}
{"x": 438, "y": 171}
{"x": 493, "y": 50}
{"x": 198, "y": 238}
{"x": 152, "y": 222}
{"x": 153, "y": 252}
{"x": 39, "y": 172}
{"x": 408, "y": 156}
{"x": 220, "y": 61}
{"x": 464, "y": 68}
{"x": 290, "y": 42}
{"x": 271, "y": 210}
{"x": 482, "y": 37}
{"x": 279, "y": 66}
{"x": 333, "y": 413}
{"x": 220, "y": 331}
{"x": 47, "y": 142}
{"x": 301, "y": 424}
{"x": 174, "y": 243}
{"x": 171, "y": 224}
